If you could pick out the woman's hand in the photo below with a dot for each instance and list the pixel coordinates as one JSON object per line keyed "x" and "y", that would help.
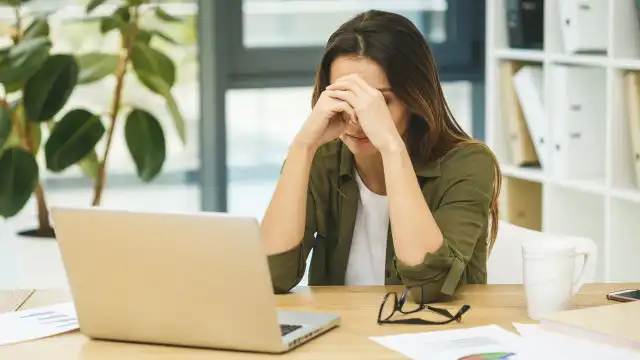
{"x": 327, "y": 121}
{"x": 371, "y": 110}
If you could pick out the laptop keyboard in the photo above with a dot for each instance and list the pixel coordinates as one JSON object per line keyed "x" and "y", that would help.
{"x": 286, "y": 329}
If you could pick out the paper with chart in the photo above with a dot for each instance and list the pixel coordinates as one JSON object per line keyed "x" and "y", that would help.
{"x": 37, "y": 323}
{"x": 477, "y": 343}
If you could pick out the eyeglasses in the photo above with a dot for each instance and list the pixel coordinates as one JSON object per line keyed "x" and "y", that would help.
{"x": 392, "y": 304}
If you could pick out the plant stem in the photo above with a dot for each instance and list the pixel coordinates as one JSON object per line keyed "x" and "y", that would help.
{"x": 25, "y": 135}
{"x": 121, "y": 71}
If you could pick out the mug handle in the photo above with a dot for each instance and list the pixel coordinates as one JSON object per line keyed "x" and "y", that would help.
{"x": 587, "y": 248}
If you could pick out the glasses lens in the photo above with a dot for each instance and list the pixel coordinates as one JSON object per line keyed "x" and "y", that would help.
{"x": 388, "y": 306}
{"x": 406, "y": 304}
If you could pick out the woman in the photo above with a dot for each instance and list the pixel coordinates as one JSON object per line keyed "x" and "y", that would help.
{"x": 381, "y": 182}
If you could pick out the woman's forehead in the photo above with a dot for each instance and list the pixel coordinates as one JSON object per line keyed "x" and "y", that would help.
{"x": 368, "y": 70}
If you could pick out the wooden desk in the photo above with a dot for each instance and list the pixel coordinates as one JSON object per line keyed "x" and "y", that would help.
{"x": 491, "y": 304}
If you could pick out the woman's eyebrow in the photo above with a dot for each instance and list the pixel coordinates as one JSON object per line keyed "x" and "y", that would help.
{"x": 384, "y": 89}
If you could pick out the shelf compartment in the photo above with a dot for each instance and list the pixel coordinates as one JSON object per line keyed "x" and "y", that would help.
{"x": 624, "y": 246}
{"x": 575, "y": 213}
{"x": 521, "y": 203}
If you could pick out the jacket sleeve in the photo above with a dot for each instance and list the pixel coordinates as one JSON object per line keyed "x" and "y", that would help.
{"x": 463, "y": 218}
{"x": 287, "y": 268}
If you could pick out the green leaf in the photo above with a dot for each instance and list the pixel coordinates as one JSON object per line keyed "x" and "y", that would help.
{"x": 148, "y": 59}
{"x": 95, "y": 66}
{"x": 46, "y": 92}
{"x": 118, "y": 20}
{"x": 93, "y": 4}
{"x": 72, "y": 139}
{"x": 14, "y": 139}
{"x": 39, "y": 27}
{"x": 134, "y": 2}
{"x": 35, "y": 134}
{"x": 165, "y": 16}
{"x": 159, "y": 86}
{"x": 146, "y": 143}
{"x": 14, "y": 87}
{"x": 23, "y": 60}
{"x": 143, "y": 36}
{"x": 6, "y": 126}
{"x": 14, "y": 2}
{"x": 90, "y": 165}
{"x": 18, "y": 178}
{"x": 164, "y": 37}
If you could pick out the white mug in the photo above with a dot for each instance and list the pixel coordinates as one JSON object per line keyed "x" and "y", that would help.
{"x": 554, "y": 270}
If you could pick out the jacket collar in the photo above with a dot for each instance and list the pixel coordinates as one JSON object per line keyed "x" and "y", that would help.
{"x": 347, "y": 165}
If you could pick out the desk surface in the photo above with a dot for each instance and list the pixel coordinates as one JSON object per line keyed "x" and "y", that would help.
{"x": 491, "y": 304}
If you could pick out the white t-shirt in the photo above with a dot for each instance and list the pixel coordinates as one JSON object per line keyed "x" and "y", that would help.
{"x": 366, "y": 264}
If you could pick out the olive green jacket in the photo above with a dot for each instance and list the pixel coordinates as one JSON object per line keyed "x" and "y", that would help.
{"x": 458, "y": 190}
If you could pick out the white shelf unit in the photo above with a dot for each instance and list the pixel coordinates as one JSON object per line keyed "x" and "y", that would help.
{"x": 606, "y": 209}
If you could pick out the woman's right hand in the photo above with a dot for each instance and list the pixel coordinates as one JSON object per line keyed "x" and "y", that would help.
{"x": 327, "y": 121}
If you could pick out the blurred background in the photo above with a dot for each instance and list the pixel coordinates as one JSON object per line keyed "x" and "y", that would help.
{"x": 260, "y": 57}
{"x": 244, "y": 74}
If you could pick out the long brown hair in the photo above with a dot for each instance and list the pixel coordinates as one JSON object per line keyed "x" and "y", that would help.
{"x": 400, "y": 49}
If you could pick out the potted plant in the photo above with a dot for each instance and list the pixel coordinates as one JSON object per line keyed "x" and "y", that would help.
{"x": 40, "y": 84}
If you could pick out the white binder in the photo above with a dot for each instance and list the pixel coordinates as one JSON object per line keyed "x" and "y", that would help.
{"x": 583, "y": 24}
{"x": 632, "y": 100}
{"x": 579, "y": 123}
{"x": 528, "y": 82}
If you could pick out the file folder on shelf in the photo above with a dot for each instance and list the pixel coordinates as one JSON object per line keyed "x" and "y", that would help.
{"x": 579, "y": 122}
{"x": 525, "y": 23}
{"x": 528, "y": 83}
{"x": 521, "y": 203}
{"x": 632, "y": 97}
{"x": 583, "y": 25}
{"x": 521, "y": 149}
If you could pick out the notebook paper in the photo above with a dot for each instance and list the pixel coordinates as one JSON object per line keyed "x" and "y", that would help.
{"x": 37, "y": 323}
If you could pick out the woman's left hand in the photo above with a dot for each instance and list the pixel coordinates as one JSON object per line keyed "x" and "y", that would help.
{"x": 371, "y": 110}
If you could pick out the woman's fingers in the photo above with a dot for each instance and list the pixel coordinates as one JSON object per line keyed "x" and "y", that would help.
{"x": 345, "y": 108}
{"x": 344, "y": 95}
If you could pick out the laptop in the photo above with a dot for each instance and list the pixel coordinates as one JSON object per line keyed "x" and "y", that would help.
{"x": 197, "y": 280}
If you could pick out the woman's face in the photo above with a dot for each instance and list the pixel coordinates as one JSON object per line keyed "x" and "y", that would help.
{"x": 372, "y": 74}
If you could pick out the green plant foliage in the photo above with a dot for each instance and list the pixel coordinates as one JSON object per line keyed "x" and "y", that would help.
{"x": 39, "y": 27}
{"x": 35, "y": 136}
{"x": 90, "y": 165}
{"x": 23, "y": 60}
{"x": 164, "y": 37}
{"x": 146, "y": 143}
{"x": 147, "y": 59}
{"x": 72, "y": 139}
{"x": 14, "y": 2}
{"x": 163, "y": 15}
{"x": 93, "y": 4}
{"x": 19, "y": 178}
{"x": 95, "y": 66}
{"x": 16, "y": 110}
{"x": 159, "y": 86}
{"x": 46, "y": 92}
{"x": 118, "y": 20}
{"x": 5, "y": 126}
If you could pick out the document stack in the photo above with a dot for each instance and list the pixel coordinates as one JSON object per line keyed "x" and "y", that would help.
{"x": 578, "y": 118}
{"x": 525, "y": 23}
{"x": 581, "y": 25}
{"x": 528, "y": 83}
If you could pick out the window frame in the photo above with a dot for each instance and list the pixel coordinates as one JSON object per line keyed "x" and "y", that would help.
{"x": 455, "y": 54}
